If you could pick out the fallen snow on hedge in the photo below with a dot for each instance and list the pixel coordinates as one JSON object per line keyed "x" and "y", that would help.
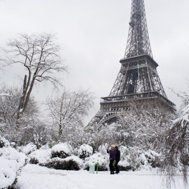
{"x": 124, "y": 163}
{"x": 63, "y": 147}
{"x": 7, "y": 172}
{"x": 42, "y": 155}
{"x": 10, "y": 162}
{"x": 4, "y": 142}
{"x": 29, "y": 148}
{"x": 69, "y": 163}
{"x": 85, "y": 150}
{"x": 12, "y": 154}
{"x": 75, "y": 159}
{"x": 97, "y": 158}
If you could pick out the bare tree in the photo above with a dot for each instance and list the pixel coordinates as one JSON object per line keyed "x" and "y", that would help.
{"x": 68, "y": 111}
{"x": 40, "y": 57}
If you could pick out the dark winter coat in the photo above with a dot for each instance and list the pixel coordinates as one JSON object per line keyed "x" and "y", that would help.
{"x": 112, "y": 154}
{"x": 117, "y": 156}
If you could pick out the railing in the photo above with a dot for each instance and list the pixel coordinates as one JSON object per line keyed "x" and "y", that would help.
{"x": 135, "y": 97}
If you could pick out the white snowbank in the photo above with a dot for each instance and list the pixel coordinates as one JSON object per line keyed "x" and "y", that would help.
{"x": 36, "y": 177}
{"x": 7, "y": 172}
{"x": 11, "y": 154}
{"x": 41, "y": 155}
{"x": 63, "y": 147}
{"x": 10, "y": 162}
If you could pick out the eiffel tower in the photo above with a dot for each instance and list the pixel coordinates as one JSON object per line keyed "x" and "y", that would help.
{"x": 137, "y": 80}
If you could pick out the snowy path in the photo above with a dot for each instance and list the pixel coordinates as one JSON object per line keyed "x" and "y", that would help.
{"x": 35, "y": 177}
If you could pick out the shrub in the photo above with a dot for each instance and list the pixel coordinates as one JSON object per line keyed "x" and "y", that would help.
{"x": 11, "y": 161}
{"x": 29, "y": 148}
{"x": 150, "y": 158}
{"x": 70, "y": 163}
{"x": 40, "y": 156}
{"x": 125, "y": 166}
{"x": 97, "y": 158}
{"x": 61, "y": 150}
{"x": 33, "y": 161}
{"x": 3, "y": 142}
{"x": 85, "y": 151}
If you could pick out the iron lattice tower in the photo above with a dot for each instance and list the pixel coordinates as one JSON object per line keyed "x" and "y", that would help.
{"x": 138, "y": 39}
{"x": 137, "y": 79}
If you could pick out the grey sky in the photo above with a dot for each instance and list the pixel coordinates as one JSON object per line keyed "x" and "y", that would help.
{"x": 93, "y": 35}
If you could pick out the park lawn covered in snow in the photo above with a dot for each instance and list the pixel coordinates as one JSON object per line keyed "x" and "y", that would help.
{"x": 36, "y": 177}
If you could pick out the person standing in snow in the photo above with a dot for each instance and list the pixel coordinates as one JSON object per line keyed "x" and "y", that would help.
{"x": 117, "y": 159}
{"x": 112, "y": 153}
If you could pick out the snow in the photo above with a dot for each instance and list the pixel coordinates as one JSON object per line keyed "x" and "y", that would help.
{"x": 72, "y": 157}
{"x": 4, "y": 141}
{"x": 97, "y": 158}
{"x": 63, "y": 147}
{"x": 41, "y": 155}
{"x": 85, "y": 149}
{"x": 124, "y": 163}
{"x": 185, "y": 110}
{"x": 11, "y": 154}
{"x": 76, "y": 159}
{"x": 10, "y": 162}
{"x": 7, "y": 172}
{"x": 29, "y": 148}
{"x": 4, "y": 94}
{"x": 103, "y": 149}
{"x": 36, "y": 177}
{"x": 184, "y": 116}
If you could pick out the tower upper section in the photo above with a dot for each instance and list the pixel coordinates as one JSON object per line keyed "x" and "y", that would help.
{"x": 138, "y": 42}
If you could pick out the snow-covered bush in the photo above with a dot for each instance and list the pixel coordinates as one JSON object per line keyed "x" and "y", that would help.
{"x": 41, "y": 156}
{"x": 126, "y": 163}
{"x": 7, "y": 173}
{"x": 133, "y": 158}
{"x": 151, "y": 158}
{"x": 4, "y": 142}
{"x": 69, "y": 163}
{"x": 61, "y": 150}
{"x": 85, "y": 151}
{"x": 29, "y": 148}
{"x": 12, "y": 154}
{"x": 97, "y": 158}
{"x": 129, "y": 158}
{"x": 11, "y": 161}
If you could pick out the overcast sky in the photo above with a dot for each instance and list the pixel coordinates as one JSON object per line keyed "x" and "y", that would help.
{"x": 93, "y": 35}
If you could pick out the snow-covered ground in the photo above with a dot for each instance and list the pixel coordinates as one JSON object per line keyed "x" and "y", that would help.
{"x": 36, "y": 177}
